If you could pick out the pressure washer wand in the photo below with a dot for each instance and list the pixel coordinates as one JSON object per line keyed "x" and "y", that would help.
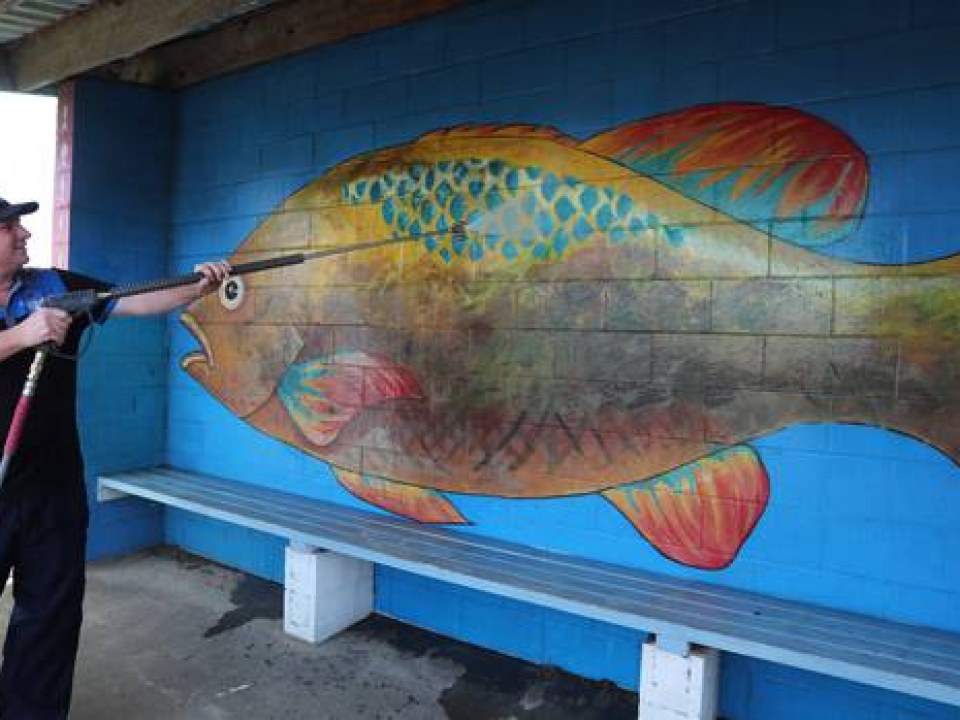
{"x": 78, "y": 302}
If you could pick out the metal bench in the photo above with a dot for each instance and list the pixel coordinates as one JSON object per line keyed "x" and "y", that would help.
{"x": 688, "y": 621}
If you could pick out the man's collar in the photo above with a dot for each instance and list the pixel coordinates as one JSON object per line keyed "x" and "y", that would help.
{"x": 18, "y": 277}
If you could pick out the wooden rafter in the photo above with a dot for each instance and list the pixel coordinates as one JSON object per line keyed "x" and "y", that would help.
{"x": 176, "y": 43}
{"x": 283, "y": 29}
{"x": 109, "y": 31}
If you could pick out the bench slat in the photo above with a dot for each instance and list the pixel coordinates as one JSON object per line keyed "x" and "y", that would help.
{"x": 917, "y": 661}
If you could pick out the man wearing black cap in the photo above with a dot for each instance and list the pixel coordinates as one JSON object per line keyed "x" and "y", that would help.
{"x": 43, "y": 502}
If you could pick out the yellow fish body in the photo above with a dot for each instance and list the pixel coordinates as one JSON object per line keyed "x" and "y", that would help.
{"x": 553, "y": 321}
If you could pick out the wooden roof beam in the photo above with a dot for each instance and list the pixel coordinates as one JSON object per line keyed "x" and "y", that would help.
{"x": 110, "y": 31}
{"x": 282, "y": 29}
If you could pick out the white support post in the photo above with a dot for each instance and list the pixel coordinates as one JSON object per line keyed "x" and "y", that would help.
{"x": 678, "y": 682}
{"x": 324, "y": 592}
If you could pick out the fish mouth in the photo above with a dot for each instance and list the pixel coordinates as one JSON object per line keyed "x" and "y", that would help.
{"x": 202, "y": 358}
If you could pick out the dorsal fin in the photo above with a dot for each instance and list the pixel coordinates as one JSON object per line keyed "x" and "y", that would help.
{"x": 756, "y": 162}
{"x": 490, "y": 130}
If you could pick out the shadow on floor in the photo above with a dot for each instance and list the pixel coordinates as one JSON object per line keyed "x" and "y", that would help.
{"x": 170, "y": 636}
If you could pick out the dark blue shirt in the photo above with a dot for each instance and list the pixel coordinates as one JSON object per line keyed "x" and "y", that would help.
{"x": 48, "y": 458}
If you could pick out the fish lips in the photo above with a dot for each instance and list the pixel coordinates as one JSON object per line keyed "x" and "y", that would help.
{"x": 200, "y": 361}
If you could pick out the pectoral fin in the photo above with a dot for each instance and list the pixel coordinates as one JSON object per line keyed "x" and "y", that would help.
{"x": 421, "y": 504}
{"x": 322, "y": 396}
{"x": 702, "y": 513}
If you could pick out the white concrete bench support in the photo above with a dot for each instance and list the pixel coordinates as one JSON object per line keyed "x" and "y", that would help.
{"x": 324, "y": 592}
{"x": 678, "y": 685}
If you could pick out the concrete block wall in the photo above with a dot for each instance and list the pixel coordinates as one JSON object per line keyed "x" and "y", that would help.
{"x": 119, "y": 232}
{"x": 859, "y": 518}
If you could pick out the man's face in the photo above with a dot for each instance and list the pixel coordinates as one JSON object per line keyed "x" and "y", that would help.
{"x": 13, "y": 245}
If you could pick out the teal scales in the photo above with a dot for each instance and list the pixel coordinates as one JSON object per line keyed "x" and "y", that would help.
{"x": 469, "y": 208}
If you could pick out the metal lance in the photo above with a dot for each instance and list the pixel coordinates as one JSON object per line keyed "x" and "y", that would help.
{"x": 82, "y": 301}
{"x": 22, "y": 410}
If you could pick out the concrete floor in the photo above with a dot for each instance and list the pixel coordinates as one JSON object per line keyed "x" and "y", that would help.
{"x": 169, "y": 636}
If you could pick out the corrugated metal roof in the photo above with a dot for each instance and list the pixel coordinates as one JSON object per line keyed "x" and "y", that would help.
{"x": 22, "y": 17}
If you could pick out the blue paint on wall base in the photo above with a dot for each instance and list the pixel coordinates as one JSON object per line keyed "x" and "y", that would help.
{"x": 242, "y": 548}
{"x": 589, "y": 648}
{"x": 756, "y": 690}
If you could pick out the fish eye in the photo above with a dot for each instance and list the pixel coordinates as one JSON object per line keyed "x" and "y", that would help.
{"x": 231, "y": 293}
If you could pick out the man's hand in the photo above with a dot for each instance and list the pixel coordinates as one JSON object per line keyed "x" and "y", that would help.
{"x": 44, "y": 325}
{"x": 213, "y": 273}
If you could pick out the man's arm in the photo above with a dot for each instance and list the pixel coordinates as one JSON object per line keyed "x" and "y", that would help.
{"x": 51, "y": 324}
{"x": 163, "y": 301}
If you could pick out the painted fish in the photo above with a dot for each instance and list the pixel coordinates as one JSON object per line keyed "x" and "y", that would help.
{"x": 619, "y": 315}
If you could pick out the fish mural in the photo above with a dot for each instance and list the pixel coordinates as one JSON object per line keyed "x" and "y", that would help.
{"x": 620, "y": 315}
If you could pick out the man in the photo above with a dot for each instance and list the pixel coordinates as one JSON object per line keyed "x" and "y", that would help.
{"x": 43, "y": 502}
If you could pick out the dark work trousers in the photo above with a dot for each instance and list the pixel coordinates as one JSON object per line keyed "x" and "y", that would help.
{"x": 43, "y": 540}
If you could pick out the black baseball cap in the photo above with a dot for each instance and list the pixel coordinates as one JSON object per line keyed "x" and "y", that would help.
{"x": 9, "y": 210}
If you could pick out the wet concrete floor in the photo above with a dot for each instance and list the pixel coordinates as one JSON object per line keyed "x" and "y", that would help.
{"x": 169, "y": 636}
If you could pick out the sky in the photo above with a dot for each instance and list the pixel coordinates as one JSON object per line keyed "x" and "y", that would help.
{"x": 28, "y": 127}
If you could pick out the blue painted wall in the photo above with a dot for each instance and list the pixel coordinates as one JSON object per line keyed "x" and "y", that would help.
{"x": 119, "y": 231}
{"x": 859, "y": 519}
